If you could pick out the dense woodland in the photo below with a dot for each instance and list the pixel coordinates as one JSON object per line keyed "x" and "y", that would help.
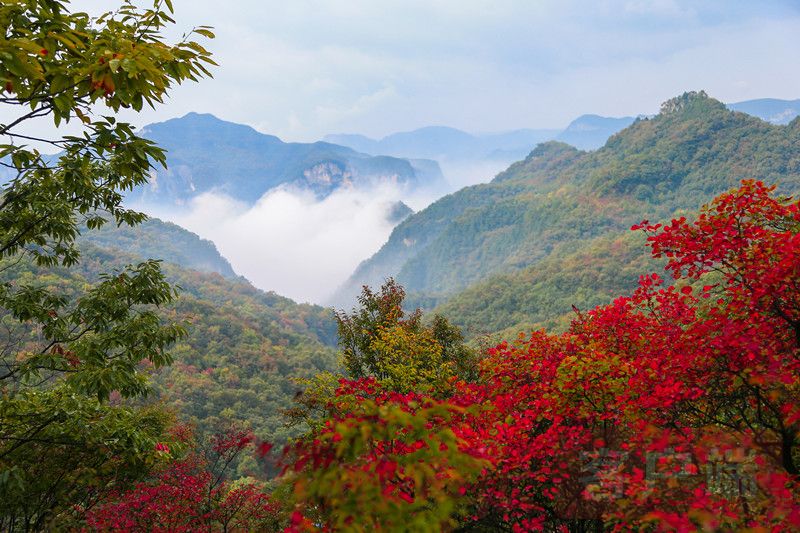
{"x": 144, "y": 387}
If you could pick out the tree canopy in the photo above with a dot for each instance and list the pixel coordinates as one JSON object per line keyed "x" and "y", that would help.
{"x": 62, "y": 443}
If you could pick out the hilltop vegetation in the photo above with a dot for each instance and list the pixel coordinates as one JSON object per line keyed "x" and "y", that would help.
{"x": 163, "y": 240}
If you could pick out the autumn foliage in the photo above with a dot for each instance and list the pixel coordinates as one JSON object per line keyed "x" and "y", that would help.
{"x": 674, "y": 408}
{"x": 192, "y": 493}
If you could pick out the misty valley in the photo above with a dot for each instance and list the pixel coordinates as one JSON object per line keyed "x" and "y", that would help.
{"x": 212, "y": 325}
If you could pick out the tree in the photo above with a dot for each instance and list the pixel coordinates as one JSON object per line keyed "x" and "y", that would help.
{"x": 675, "y": 408}
{"x": 380, "y": 342}
{"x": 65, "y": 354}
{"x": 193, "y": 493}
{"x": 378, "y": 339}
{"x": 383, "y": 461}
{"x": 380, "y": 452}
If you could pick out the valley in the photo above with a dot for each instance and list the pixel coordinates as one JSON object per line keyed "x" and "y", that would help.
{"x": 436, "y": 267}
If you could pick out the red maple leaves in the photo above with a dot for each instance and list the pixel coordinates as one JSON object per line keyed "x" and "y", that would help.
{"x": 191, "y": 494}
{"x": 671, "y": 408}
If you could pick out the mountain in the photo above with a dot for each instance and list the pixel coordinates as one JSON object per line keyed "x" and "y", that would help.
{"x": 770, "y": 109}
{"x": 448, "y": 144}
{"x": 206, "y": 154}
{"x": 163, "y": 240}
{"x": 549, "y": 215}
{"x": 589, "y": 132}
{"x": 398, "y": 212}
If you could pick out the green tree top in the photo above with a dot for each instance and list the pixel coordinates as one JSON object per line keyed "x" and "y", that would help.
{"x": 64, "y": 66}
{"x": 379, "y": 339}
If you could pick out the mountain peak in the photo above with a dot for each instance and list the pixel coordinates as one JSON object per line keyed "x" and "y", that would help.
{"x": 691, "y": 102}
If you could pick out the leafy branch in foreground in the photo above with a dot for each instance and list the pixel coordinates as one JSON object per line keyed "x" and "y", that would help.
{"x": 65, "y": 353}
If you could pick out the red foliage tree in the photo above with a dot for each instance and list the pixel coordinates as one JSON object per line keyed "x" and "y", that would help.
{"x": 192, "y": 494}
{"x": 675, "y": 408}
{"x": 672, "y": 407}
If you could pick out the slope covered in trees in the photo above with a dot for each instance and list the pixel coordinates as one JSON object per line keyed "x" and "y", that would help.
{"x": 244, "y": 346}
{"x": 242, "y": 350}
{"x": 559, "y": 200}
{"x": 163, "y": 240}
{"x": 543, "y": 295}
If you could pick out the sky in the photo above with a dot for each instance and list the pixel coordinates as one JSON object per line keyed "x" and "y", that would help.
{"x": 304, "y": 68}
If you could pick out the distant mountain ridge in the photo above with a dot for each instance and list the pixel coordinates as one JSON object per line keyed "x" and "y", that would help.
{"x": 770, "y": 109}
{"x": 206, "y": 154}
{"x": 587, "y": 132}
{"x": 440, "y": 142}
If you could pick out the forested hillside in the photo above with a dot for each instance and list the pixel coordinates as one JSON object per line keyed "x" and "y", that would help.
{"x": 169, "y": 242}
{"x": 560, "y": 207}
{"x": 543, "y": 295}
{"x": 243, "y": 348}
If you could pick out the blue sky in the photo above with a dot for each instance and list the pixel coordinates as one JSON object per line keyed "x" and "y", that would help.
{"x": 302, "y": 69}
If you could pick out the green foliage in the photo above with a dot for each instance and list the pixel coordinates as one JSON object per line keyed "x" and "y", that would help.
{"x": 96, "y": 340}
{"x": 358, "y": 330}
{"x": 584, "y": 275}
{"x": 61, "y": 450}
{"x": 242, "y": 355}
{"x": 387, "y": 464}
{"x": 549, "y": 216}
{"x": 68, "y": 348}
{"x": 59, "y": 64}
{"x": 378, "y": 339}
{"x": 382, "y": 345}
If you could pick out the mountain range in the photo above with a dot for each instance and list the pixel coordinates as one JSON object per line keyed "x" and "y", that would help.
{"x": 770, "y": 109}
{"x": 587, "y": 132}
{"x": 206, "y": 154}
{"x": 549, "y": 233}
{"x": 444, "y": 143}
{"x": 552, "y": 230}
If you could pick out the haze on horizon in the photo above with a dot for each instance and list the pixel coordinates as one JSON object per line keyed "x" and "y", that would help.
{"x": 301, "y": 70}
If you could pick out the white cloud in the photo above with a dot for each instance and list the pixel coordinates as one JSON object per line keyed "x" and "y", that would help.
{"x": 289, "y": 241}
